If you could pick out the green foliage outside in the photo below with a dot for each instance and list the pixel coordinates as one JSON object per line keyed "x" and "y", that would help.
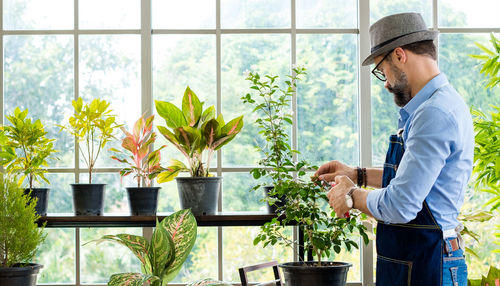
{"x": 25, "y": 148}
{"x": 93, "y": 125}
{"x": 493, "y": 278}
{"x": 162, "y": 257}
{"x": 194, "y": 131}
{"x": 20, "y": 236}
{"x": 145, "y": 164}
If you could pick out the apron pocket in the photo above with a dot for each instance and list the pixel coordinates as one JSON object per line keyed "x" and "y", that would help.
{"x": 393, "y": 272}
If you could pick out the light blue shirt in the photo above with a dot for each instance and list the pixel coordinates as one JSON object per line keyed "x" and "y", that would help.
{"x": 439, "y": 148}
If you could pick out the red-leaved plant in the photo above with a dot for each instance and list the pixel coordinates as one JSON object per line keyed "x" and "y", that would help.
{"x": 145, "y": 164}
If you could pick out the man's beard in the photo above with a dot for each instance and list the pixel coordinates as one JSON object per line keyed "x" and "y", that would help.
{"x": 400, "y": 89}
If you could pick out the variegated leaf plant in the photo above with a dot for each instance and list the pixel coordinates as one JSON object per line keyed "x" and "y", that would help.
{"x": 162, "y": 257}
{"x": 145, "y": 163}
{"x": 193, "y": 131}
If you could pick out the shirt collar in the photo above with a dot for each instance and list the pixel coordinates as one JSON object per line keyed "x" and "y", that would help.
{"x": 425, "y": 93}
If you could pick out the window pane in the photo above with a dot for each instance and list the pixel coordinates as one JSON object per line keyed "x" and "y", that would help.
{"x": 202, "y": 260}
{"x": 38, "y": 76}
{"x": 110, "y": 70}
{"x": 239, "y": 251}
{"x": 464, "y": 13}
{"x": 57, "y": 255}
{"x": 463, "y": 71}
{"x": 38, "y": 15}
{"x": 99, "y": 262}
{"x": 60, "y": 196}
{"x": 169, "y": 195}
{"x": 237, "y": 194}
{"x": 186, "y": 14}
{"x": 266, "y": 54}
{"x": 180, "y": 61}
{"x": 328, "y": 98}
{"x": 382, "y": 8}
{"x": 110, "y": 14}
{"x": 326, "y": 14}
{"x": 245, "y": 14}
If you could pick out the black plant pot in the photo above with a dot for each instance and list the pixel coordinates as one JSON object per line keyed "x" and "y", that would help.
{"x": 19, "y": 276}
{"x": 88, "y": 199}
{"x": 280, "y": 203}
{"x": 307, "y": 274}
{"x": 143, "y": 200}
{"x": 42, "y": 195}
{"x": 200, "y": 194}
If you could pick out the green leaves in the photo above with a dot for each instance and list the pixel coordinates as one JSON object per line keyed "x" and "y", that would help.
{"x": 194, "y": 131}
{"x": 162, "y": 258}
{"x": 490, "y": 61}
{"x": 25, "y": 148}
{"x": 93, "y": 125}
{"x": 492, "y": 279}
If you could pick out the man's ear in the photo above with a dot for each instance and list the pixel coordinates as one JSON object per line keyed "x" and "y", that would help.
{"x": 400, "y": 55}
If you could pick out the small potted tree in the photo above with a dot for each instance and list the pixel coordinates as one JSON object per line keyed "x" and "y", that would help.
{"x": 93, "y": 126}
{"x": 20, "y": 235}
{"x": 161, "y": 257}
{"x": 26, "y": 151}
{"x": 323, "y": 232}
{"x": 272, "y": 106}
{"x": 197, "y": 134}
{"x": 144, "y": 164}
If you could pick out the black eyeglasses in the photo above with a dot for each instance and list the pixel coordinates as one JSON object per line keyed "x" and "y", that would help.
{"x": 376, "y": 72}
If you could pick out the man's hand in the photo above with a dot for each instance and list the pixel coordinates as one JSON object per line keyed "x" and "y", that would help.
{"x": 332, "y": 169}
{"x": 336, "y": 195}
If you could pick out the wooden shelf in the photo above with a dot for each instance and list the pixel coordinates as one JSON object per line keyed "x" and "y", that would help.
{"x": 124, "y": 220}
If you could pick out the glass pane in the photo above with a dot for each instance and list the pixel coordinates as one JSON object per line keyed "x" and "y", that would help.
{"x": 266, "y": 54}
{"x": 38, "y": 76}
{"x": 169, "y": 196}
{"x": 382, "y": 8}
{"x": 110, "y": 70}
{"x": 110, "y": 14}
{"x": 464, "y": 13}
{"x": 60, "y": 196}
{"x": 245, "y": 14}
{"x": 385, "y": 114}
{"x": 38, "y": 15}
{"x": 328, "y": 99}
{"x": 454, "y": 59}
{"x": 239, "y": 251}
{"x": 115, "y": 196}
{"x": 354, "y": 257}
{"x": 237, "y": 194}
{"x": 202, "y": 260}
{"x": 186, "y": 14}
{"x": 326, "y": 14}
{"x": 99, "y": 262}
{"x": 180, "y": 61}
{"x": 57, "y": 255}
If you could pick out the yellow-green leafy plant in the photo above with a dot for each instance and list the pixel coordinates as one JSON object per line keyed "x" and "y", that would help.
{"x": 161, "y": 257}
{"x": 194, "y": 132}
{"x": 93, "y": 125}
{"x": 26, "y": 148}
{"x": 20, "y": 235}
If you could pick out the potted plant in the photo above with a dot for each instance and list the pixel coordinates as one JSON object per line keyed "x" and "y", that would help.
{"x": 161, "y": 257}
{"x": 301, "y": 201}
{"x": 272, "y": 105}
{"x": 93, "y": 126}
{"x": 144, "y": 164}
{"x": 20, "y": 235}
{"x": 195, "y": 132}
{"x": 26, "y": 151}
{"x": 323, "y": 232}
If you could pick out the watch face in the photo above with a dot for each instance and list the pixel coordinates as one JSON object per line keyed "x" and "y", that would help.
{"x": 348, "y": 201}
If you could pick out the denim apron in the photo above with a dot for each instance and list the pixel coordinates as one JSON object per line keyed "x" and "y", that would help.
{"x": 410, "y": 253}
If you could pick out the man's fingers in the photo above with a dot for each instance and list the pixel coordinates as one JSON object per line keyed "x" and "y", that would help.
{"x": 328, "y": 177}
{"x": 326, "y": 168}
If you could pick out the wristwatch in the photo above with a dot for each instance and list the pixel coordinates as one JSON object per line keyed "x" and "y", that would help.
{"x": 349, "y": 201}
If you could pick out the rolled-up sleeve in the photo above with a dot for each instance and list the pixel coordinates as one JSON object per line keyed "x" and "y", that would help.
{"x": 430, "y": 139}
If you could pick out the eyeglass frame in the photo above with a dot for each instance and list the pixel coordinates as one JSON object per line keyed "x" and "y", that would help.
{"x": 377, "y": 73}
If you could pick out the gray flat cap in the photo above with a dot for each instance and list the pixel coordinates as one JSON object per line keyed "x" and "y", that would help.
{"x": 395, "y": 31}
